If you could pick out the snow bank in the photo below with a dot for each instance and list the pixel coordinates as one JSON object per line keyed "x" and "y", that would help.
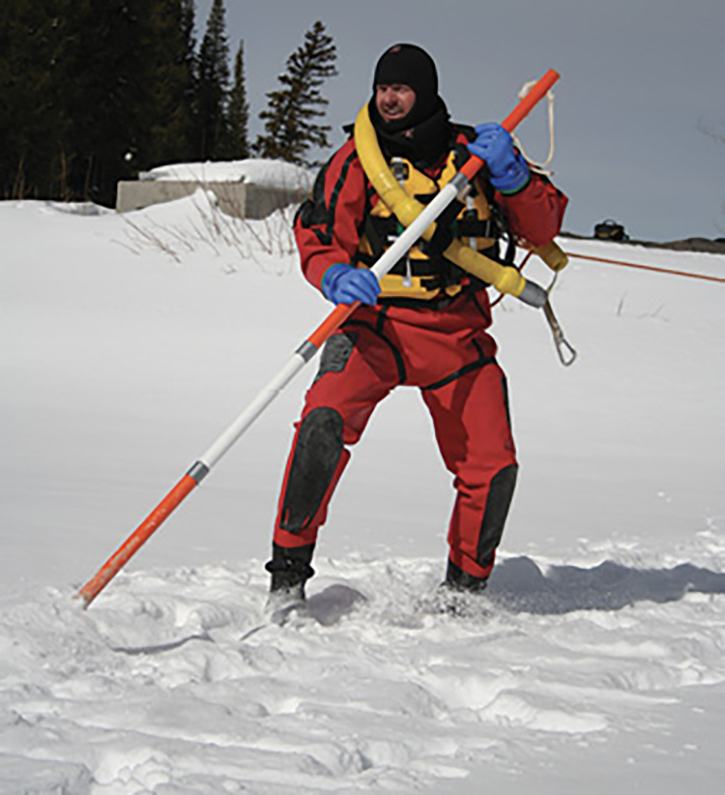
{"x": 267, "y": 173}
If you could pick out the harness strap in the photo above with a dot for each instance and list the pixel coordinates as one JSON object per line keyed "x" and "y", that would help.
{"x": 481, "y": 361}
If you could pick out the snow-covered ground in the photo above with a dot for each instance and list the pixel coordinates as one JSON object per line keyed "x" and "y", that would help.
{"x": 596, "y": 663}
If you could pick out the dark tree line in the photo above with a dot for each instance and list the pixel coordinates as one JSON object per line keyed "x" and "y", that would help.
{"x": 94, "y": 91}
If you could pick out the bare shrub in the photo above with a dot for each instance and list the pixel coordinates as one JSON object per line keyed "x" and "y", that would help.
{"x": 219, "y": 230}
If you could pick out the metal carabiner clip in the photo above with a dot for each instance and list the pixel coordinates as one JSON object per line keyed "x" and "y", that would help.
{"x": 567, "y": 354}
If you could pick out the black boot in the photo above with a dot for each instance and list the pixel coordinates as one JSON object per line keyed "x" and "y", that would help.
{"x": 459, "y": 580}
{"x": 290, "y": 569}
{"x": 459, "y": 594}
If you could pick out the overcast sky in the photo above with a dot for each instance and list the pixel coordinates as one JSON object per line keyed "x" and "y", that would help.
{"x": 640, "y": 78}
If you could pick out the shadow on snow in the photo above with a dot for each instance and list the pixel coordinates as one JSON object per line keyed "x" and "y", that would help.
{"x": 519, "y": 585}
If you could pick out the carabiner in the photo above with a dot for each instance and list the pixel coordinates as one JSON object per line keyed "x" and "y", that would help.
{"x": 566, "y": 353}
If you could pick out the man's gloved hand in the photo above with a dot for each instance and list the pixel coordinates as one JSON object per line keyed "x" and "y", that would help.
{"x": 344, "y": 284}
{"x": 507, "y": 167}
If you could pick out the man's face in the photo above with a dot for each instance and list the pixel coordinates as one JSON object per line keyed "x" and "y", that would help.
{"x": 394, "y": 101}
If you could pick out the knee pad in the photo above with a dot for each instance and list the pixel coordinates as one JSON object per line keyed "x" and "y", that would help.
{"x": 498, "y": 502}
{"x": 336, "y": 352}
{"x": 316, "y": 456}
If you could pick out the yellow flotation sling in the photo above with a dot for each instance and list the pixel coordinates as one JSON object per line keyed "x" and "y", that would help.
{"x": 418, "y": 275}
{"x": 505, "y": 279}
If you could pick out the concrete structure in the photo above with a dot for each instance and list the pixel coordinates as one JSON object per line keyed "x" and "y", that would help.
{"x": 241, "y": 199}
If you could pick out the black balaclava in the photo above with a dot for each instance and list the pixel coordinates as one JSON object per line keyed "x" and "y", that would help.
{"x": 424, "y": 133}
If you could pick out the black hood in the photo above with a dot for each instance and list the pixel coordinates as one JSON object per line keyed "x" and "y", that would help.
{"x": 424, "y": 135}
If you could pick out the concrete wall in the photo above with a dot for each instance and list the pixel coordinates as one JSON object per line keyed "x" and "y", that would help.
{"x": 235, "y": 198}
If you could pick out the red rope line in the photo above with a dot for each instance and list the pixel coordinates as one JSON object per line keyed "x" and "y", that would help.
{"x": 647, "y": 267}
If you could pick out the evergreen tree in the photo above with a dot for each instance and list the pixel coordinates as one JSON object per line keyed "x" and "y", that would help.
{"x": 213, "y": 84}
{"x": 187, "y": 13}
{"x": 110, "y": 95}
{"x": 236, "y": 144}
{"x": 91, "y": 92}
{"x": 290, "y": 118}
{"x": 173, "y": 63}
{"x": 33, "y": 125}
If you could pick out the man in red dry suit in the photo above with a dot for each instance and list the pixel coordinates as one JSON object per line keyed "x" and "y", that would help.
{"x": 423, "y": 325}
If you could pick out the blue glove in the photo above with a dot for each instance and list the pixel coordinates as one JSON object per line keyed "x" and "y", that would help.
{"x": 508, "y": 169}
{"x": 344, "y": 284}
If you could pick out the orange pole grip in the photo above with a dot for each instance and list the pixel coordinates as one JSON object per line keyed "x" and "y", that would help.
{"x": 137, "y": 539}
{"x": 331, "y": 323}
{"x": 537, "y": 92}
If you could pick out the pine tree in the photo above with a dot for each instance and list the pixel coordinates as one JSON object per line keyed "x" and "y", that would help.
{"x": 290, "y": 126}
{"x": 212, "y": 84}
{"x": 110, "y": 94}
{"x": 33, "y": 126}
{"x": 236, "y": 143}
{"x": 92, "y": 92}
{"x": 173, "y": 62}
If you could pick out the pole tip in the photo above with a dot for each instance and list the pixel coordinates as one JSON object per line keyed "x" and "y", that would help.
{"x": 83, "y": 598}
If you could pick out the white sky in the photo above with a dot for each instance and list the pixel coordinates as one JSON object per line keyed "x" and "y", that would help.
{"x": 638, "y": 79}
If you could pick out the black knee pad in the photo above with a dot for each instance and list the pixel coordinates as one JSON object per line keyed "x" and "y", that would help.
{"x": 498, "y": 502}
{"x": 336, "y": 352}
{"x": 315, "y": 459}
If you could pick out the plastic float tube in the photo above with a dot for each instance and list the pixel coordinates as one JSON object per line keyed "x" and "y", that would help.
{"x": 505, "y": 279}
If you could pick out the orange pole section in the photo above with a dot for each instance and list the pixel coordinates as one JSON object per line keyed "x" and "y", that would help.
{"x": 517, "y": 115}
{"x": 535, "y": 95}
{"x": 647, "y": 267}
{"x": 139, "y": 537}
{"x": 331, "y": 323}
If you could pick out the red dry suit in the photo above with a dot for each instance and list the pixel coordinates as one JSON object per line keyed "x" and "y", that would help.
{"x": 436, "y": 340}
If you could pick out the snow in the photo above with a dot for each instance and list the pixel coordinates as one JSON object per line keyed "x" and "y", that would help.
{"x": 596, "y": 660}
{"x": 255, "y": 171}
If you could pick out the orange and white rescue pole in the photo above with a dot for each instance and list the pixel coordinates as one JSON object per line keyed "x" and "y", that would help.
{"x": 532, "y": 294}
